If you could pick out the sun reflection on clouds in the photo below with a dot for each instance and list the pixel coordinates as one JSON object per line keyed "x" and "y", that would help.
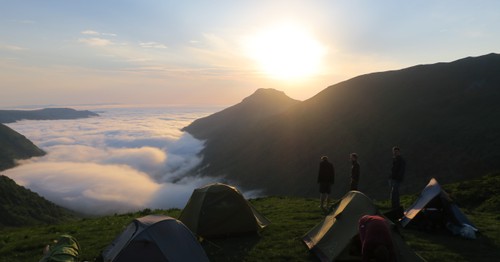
{"x": 88, "y": 187}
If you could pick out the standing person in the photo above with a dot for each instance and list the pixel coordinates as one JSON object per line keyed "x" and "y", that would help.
{"x": 326, "y": 178}
{"x": 376, "y": 240}
{"x": 397, "y": 174}
{"x": 354, "y": 171}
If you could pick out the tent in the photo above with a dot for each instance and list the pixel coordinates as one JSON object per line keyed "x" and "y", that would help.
{"x": 155, "y": 238}
{"x": 435, "y": 208}
{"x": 218, "y": 210}
{"x": 336, "y": 237}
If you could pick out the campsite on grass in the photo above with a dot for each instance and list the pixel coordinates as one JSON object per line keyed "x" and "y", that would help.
{"x": 298, "y": 230}
{"x": 336, "y": 237}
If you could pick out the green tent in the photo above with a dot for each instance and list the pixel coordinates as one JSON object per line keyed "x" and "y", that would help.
{"x": 336, "y": 237}
{"x": 219, "y": 210}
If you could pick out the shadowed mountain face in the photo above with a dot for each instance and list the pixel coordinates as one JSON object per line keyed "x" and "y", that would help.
{"x": 10, "y": 116}
{"x": 443, "y": 116}
{"x": 21, "y": 207}
{"x": 15, "y": 146}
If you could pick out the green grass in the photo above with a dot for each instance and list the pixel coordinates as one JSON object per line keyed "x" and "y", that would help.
{"x": 281, "y": 241}
{"x": 441, "y": 246}
{"x": 291, "y": 218}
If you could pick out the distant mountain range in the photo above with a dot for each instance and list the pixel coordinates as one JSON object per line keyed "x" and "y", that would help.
{"x": 444, "y": 116}
{"x": 10, "y": 116}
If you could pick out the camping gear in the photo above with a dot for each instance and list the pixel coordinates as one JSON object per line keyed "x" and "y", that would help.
{"x": 337, "y": 237}
{"x": 65, "y": 249}
{"x": 435, "y": 209}
{"x": 155, "y": 238}
{"x": 218, "y": 209}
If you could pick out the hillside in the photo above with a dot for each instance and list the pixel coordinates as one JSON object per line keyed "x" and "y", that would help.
{"x": 21, "y": 207}
{"x": 291, "y": 218}
{"x": 10, "y": 116}
{"x": 15, "y": 146}
{"x": 444, "y": 117}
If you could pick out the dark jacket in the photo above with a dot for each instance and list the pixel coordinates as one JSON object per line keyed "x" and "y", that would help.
{"x": 355, "y": 171}
{"x": 326, "y": 174}
{"x": 398, "y": 168}
{"x": 354, "y": 175}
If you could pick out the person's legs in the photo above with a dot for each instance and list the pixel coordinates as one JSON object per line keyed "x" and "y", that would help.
{"x": 394, "y": 194}
{"x": 354, "y": 185}
{"x": 322, "y": 197}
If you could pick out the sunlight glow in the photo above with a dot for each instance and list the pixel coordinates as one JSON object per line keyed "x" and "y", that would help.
{"x": 286, "y": 51}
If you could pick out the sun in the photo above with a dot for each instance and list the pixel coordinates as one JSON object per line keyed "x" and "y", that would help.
{"x": 286, "y": 51}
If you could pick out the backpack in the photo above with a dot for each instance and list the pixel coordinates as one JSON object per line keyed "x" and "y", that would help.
{"x": 66, "y": 249}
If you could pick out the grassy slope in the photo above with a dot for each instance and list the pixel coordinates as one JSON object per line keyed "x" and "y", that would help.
{"x": 21, "y": 207}
{"x": 291, "y": 218}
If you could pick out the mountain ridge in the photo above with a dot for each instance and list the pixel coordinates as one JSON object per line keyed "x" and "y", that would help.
{"x": 438, "y": 113}
{"x": 11, "y": 116}
{"x": 262, "y": 104}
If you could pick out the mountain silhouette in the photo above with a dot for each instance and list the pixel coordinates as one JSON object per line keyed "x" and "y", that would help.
{"x": 10, "y": 116}
{"x": 444, "y": 116}
{"x": 243, "y": 116}
{"x": 15, "y": 146}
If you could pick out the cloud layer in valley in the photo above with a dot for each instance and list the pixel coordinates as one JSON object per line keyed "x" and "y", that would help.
{"x": 125, "y": 160}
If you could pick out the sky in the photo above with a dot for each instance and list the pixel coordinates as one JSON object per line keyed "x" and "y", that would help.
{"x": 85, "y": 52}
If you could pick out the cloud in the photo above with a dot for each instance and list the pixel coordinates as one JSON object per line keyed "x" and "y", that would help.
{"x": 12, "y": 47}
{"x": 89, "y": 32}
{"x": 92, "y": 32}
{"x": 88, "y": 187}
{"x": 152, "y": 45}
{"x": 150, "y": 160}
{"x": 125, "y": 160}
{"x": 95, "y": 41}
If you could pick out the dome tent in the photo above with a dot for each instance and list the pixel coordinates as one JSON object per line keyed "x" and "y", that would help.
{"x": 435, "y": 208}
{"x": 220, "y": 210}
{"x": 336, "y": 238}
{"x": 155, "y": 238}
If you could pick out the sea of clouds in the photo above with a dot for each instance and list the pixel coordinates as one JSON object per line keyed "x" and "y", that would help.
{"x": 127, "y": 159}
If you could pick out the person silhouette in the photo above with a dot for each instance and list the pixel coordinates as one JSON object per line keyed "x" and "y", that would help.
{"x": 396, "y": 177}
{"x": 326, "y": 178}
{"x": 355, "y": 170}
